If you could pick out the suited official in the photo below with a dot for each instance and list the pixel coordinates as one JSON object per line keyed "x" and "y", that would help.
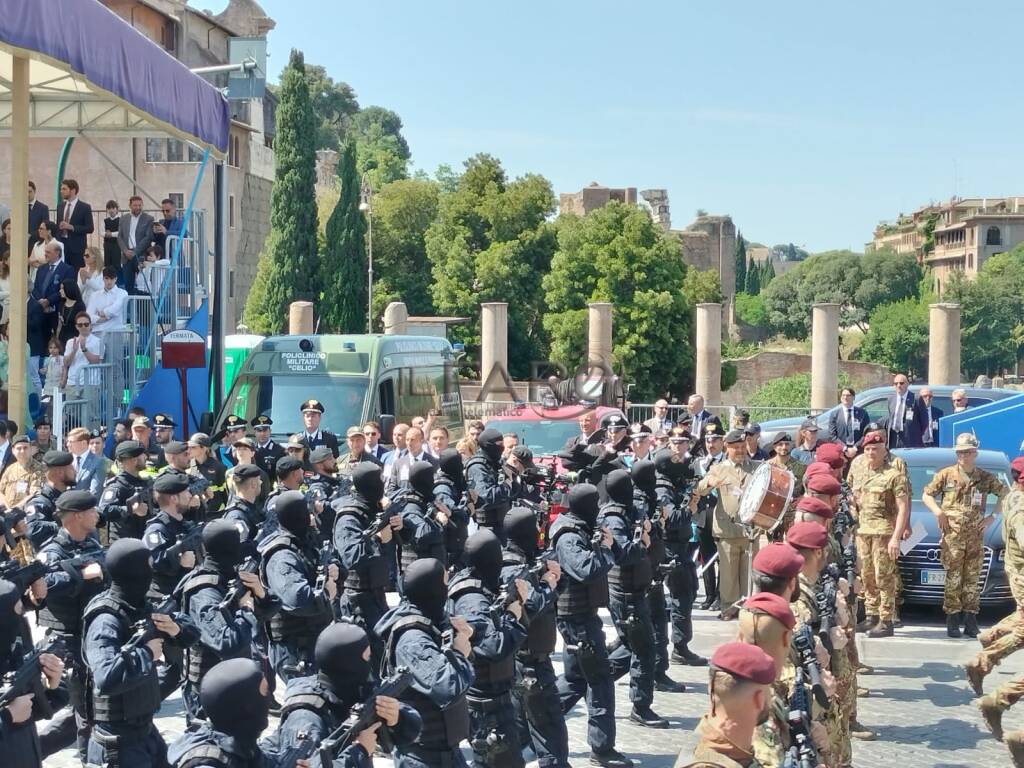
{"x": 74, "y": 223}
{"x": 90, "y": 472}
{"x": 38, "y": 212}
{"x": 267, "y": 451}
{"x": 46, "y": 289}
{"x": 134, "y": 232}
{"x": 848, "y": 422}
{"x": 903, "y": 429}
{"x": 927, "y": 416}
{"x": 701, "y": 419}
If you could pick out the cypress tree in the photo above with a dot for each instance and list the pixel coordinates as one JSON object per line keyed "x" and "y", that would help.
{"x": 289, "y": 255}
{"x": 767, "y": 273}
{"x": 753, "y": 284}
{"x": 741, "y": 263}
{"x": 343, "y": 268}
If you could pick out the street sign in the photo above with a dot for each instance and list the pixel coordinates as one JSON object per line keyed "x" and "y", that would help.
{"x": 183, "y": 349}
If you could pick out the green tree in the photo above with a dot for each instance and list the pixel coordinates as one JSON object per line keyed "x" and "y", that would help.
{"x": 989, "y": 319}
{"x": 741, "y": 263}
{"x": 702, "y": 287}
{"x": 382, "y": 152}
{"x": 767, "y": 272}
{"x": 897, "y": 337}
{"x": 289, "y": 255}
{"x": 751, "y": 310}
{"x": 343, "y": 267}
{"x": 753, "y": 285}
{"x": 886, "y": 276}
{"x": 491, "y": 241}
{"x": 616, "y": 254}
{"x": 402, "y": 213}
{"x": 333, "y": 104}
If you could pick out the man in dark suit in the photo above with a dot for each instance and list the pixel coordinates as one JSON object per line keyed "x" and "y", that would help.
{"x": 37, "y": 213}
{"x": 701, "y": 418}
{"x": 927, "y": 418}
{"x": 134, "y": 232}
{"x": 903, "y": 429}
{"x": 847, "y": 422}
{"x": 46, "y": 289}
{"x": 74, "y": 224}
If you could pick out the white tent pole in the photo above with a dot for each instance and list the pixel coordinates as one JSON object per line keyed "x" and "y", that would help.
{"x": 17, "y": 409}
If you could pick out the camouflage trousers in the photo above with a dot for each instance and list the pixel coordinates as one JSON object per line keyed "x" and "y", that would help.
{"x": 1000, "y": 641}
{"x": 878, "y": 573}
{"x": 772, "y": 736}
{"x": 837, "y": 719}
{"x": 961, "y": 554}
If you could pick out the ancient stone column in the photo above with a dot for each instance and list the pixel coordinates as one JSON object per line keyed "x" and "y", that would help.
{"x": 396, "y": 318}
{"x": 709, "y": 353}
{"x": 944, "y": 344}
{"x": 300, "y": 318}
{"x": 493, "y": 344}
{"x": 824, "y": 356}
{"x": 599, "y": 332}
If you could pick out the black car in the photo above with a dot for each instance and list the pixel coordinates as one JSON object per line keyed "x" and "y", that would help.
{"x": 921, "y": 569}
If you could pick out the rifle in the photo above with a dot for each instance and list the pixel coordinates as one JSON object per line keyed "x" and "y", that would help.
{"x": 802, "y": 752}
{"x": 189, "y": 541}
{"x": 507, "y": 596}
{"x": 23, "y": 576}
{"x": 236, "y": 589}
{"x": 380, "y": 522}
{"x": 145, "y": 630}
{"x": 362, "y": 716}
{"x": 850, "y": 569}
{"x": 326, "y": 555}
{"x": 803, "y": 643}
{"x": 28, "y": 678}
{"x": 141, "y": 496}
{"x": 825, "y": 600}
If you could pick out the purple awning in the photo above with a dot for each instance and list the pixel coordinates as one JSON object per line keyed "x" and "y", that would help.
{"x": 98, "y": 47}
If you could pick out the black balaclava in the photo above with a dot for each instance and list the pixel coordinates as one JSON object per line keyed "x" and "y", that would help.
{"x": 230, "y": 695}
{"x": 490, "y": 442}
{"x": 339, "y": 657}
{"x": 293, "y": 513}
{"x": 619, "y": 487}
{"x": 483, "y": 555}
{"x": 670, "y": 470}
{"x": 450, "y": 462}
{"x": 643, "y": 475}
{"x": 130, "y": 571}
{"x": 425, "y": 588}
{"x": 223, "y": 546}
{"x": 521, "y": 529}
{"x": 583, "y": 502}
{"x": 421, "y": 478}
{"x": 368, "y": 482}
{"x": 10, "y": 622}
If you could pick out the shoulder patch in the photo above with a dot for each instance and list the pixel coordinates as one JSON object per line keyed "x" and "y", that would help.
{"x": 154, "y": 540}
{"x": 110, "y": 494}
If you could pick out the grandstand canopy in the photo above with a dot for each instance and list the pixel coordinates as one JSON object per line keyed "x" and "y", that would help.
{"x": 91, "y": 73}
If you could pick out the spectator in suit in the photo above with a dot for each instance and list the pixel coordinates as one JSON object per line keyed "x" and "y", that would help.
{"x": 38, "y": 212}
{"x": 903, "y": 431}
{"x": 588, "y": 425}
{"x": 660, "y": 422}
{"x": 847, "y": 422}
{"x": 74, "y": 223}
{"x": 90, "y": 471}
{"x": 927, "y": 418}
{"x": 46, "y": 289}
{"x": 701, "y": 417}
{"x": 45, "y": 234}
{"x": 134, "y": 233}
{"x": 960, "y": 402}
{"x": 374, "y": 447}
{"x": 169, "y": 224}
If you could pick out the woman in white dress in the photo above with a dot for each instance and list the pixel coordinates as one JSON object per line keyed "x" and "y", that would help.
{"x": 90, "y": 277}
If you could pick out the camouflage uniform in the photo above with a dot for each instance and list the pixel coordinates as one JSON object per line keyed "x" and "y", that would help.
{"x": 710, "y": 751}
{"x": 963, "y": 500}
{"x": 771, "y": 738}
{"x": 19, "y": 483}
{"x": 876, "y": 492}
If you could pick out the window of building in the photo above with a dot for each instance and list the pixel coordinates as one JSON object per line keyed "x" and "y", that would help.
{"x": 233, "y": 151}
{"x": 169, "y": 36}
{"x": 155, "y": 150}
{"x": 970, "y": 261}
{"x": 194, "y": 155}
{"x": 993, "y": 237}
{"x": 175, "y": 151}
{"x": 231, "y": 283}
{"x": 178, "y": 198}
{"x": 231, "y": 211}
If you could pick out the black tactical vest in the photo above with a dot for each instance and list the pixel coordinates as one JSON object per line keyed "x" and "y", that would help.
{"x": 371, "y": 573}
{"x": 63, "y": 610}
{"x": 283, "y": 625}
{"x": 412, "y": 549}
{"x": 490, "y": 515}
{"x": 495, "y": 675}
{"x": 200, "y": 658}
{"x": 541, "y": 632}
{"x": 627, "y": 578}
{"x": 577, "y": 597}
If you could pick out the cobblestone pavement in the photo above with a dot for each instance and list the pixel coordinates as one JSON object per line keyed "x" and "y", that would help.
{"x": 919, "y": 703}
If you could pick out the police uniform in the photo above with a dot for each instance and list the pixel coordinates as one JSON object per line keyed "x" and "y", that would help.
{"x": 269, "y": 452}
{"x": 321, "y": 489}
{"x": 321, "y": 437}
{"x": 421, "y": 534}
{"x": 450, "y": 491}
{"x": 156, "y": 457}
{"x": 115, "y": 512}
{"x": 246, "y": 516}
{"x": 493, "y": 498}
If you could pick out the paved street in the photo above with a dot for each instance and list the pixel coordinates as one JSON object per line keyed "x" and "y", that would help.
{"x": 920, "y": 704}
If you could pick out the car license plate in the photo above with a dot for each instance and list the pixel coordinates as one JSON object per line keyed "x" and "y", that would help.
{"x": 933, "y": 578}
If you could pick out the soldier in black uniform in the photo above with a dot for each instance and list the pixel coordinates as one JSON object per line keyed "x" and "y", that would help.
{"x": 490, "y": 493}
{"x": 628, "y": 583}
{"x": 19, "y": 742}
{"x": 227, "y": 630}
{"x": 494, "y": 736}
{"x": 68, "y": 590}
{"x": 322, "y": 487}
{"x": 609, "y": 446}
{"x": 41, "y": 509}
{"x": 363, "y": 551}
{"x": 236, "y": 696}
{"x": 312, "y": 436}
{"x": 646, "y": 507}
{"x": 585, "y": 566}
{"x": 423, "y": 525}
{"x": 413, "y": 636}
{"x": 267, "y": 451}
{"x": 316, "y": 705}
{"x": 450, "y": 495}
{"x": 290, "y": 477}
{"x": 125, "y": 503}
{"x": 541, "y": 722}
{"x": 288, "y": 567}
{"x": 243, "y": 510}
{"x": 674, "y": 474}
{"x": 123, "y": 686}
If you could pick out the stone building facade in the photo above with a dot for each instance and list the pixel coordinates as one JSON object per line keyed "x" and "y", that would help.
{"x": 594, "y": 196}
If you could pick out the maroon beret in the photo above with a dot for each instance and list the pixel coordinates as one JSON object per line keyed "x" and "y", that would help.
{"x": 807, "y": 536}
{"x": 874, "y": 438}
{"x": 1017, "y": 465}
{"x": 831, "y": 454}
{"x": 815, "y": 507}
{"x": 822, "y": 483}
{"x": 816, "y": 468}
{"x": 778, "y": 560}
{"x": 774, "y": 605}
{"x": 746, "y": 662}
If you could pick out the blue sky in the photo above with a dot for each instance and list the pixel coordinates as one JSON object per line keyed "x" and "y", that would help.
{"x": 808, "y": 122}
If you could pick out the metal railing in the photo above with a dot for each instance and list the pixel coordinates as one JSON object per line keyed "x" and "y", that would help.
{"x": 89, "y": 405}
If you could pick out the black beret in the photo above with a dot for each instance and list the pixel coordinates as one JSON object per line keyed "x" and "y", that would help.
{"x": 58, "y": 459}
{"x": 76, "y": 501}
{"x": 246, "y": 472}
{"x": 323, "y": 453}
{"x": 129, "y": 449}
{"x": 171, "y": 482}
{"x": 174, "y": 447}
{"x": 286, "y": 464}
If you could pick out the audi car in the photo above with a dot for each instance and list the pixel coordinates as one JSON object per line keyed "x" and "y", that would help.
{"x": 921, "y": 568}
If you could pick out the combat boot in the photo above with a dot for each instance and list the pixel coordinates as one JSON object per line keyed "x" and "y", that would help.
{"x": 971, "y": 624}
{"x": 975, "y": 676}
{"x": 987, "y": 637}
{"x": 647, "y": 717}
{"x": 666, "y": 684}
{"x": 870, "y": 622}
{"x": 1015, "y": 741}
{"x": 882, "y": 629}
{"x": 953, "y": 624}
{"x": 992, "y": 714}
{"x": 610, "y": 758}
{"x": 861, "y": 732}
